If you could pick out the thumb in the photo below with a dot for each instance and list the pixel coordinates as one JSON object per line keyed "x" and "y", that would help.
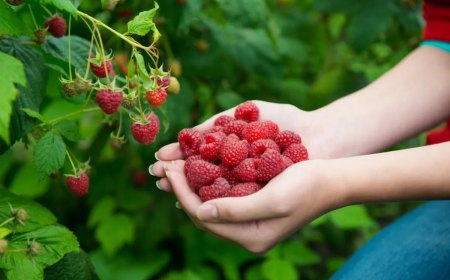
{"x": 257, "y": 206}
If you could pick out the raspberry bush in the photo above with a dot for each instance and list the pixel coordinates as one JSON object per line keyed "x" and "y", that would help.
{"x": 91, "y": 89}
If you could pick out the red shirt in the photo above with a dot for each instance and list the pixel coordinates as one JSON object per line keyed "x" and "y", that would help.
{"x": 437, "y": 20}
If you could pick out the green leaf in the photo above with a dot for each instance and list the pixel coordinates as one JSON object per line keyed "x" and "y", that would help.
{"x": 20, "y": 266}
{"x": 68, "y": 129}
{"x": 29, "y": 97}
{"x": 55, "y": 241}
{"x": 4, "y": 232}
{"x": 143, "y": 23}
{"x": 250, "y": 11}
{"x": 64, "y": 5}
{"x": 38, "y": 215}
{"x": 102, "y": 210}
{"x": 49, "y": 153}
{"x": 72, "y": 266}
{"x": 141, "y": 64}
{"x": 114, "y": 232}
{"x": 33, "y": 114}
{"x": 10, "y": 22}
{"x": 298, "y": 253}
{"x": 275, "y": 269}
{"x": 351, "y": 217}
{"x": 26, "y": 182}
{"x": 11, "y": 71}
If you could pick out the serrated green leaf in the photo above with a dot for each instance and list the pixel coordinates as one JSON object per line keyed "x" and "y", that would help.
{"x": 11, "y": 71}
{"x": 68, "y": 129}
{"x": 351, "y": 217}
{"x": 49, "y": 153}
{"x": 29, "y": 97}
{"x": 102, "y": 210}
{"x": 143, "y": 24}
{"x": 64, "y": 5}
{"x": 114, "y": 232}
{"x": 141, "y": 65}
{"x": 72, "y": 266}
{"x": 33, "y": 114}
{"x": 26, "y": 182}
{"x": 4, "y": 232}
{"x": 10, "y": 23}
{"x": 39, "y": 216}
{"x": 20, "y": 266}
{"x": 275, "y": 269}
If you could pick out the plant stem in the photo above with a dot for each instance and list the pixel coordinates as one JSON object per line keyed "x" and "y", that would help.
{"x": 69, "y": 50}
{"x": 71, "y": 162}
{"x": 87, "y": 110}
{"x": 32, "y": 17}
{"x": 7, "y": 221}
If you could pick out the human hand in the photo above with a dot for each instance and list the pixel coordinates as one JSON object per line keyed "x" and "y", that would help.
{"x": 287, "y": 117}
{"x": 259, "y": 221}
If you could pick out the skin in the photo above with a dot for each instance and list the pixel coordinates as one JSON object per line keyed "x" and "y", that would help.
{"x": 345, "y": 140}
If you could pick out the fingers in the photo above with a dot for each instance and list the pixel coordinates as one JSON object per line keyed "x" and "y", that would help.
{"x": 169, "y": 152}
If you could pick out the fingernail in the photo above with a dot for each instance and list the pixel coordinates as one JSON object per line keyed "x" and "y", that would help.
{"x": 150, "y": 170}
{"x": 157, "y": 185}
{"x": 177, "y": 205}
{"x": 156, "y": 156}
{"x": 207, "y": 212}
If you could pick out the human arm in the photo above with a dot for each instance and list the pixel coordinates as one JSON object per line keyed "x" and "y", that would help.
{"x": 308, "y": 189}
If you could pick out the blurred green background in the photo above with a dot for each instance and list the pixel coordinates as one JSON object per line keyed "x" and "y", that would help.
{"x": 306, "y": 53}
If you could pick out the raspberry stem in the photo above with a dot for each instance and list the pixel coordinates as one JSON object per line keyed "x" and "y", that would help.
{"x": 60, "y": 118}
{"x": 69, "y": 50}
{"x": 32, "y": 17}
{"x": 71, "y": 162}
{"x": 7, "y": 221}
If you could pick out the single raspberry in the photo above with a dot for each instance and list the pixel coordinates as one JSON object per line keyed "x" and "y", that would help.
{"x": 236, "y": 127}
{"x": 78, "y": 184}
{"x": 270, "y": 165}
{"x": 285, "y": 138}
{"x": 202, "y": 173}
{"x": 108, "y": 100}
{"x": 223, "y": 120}
{"x": 287, "y": 161}
{"x": 56, "y": 25}
{"x": 233, "y": 152}
{"x": 244, "y": 189}
{"x": 3, "y": 246}
{"x": 129, "y": 101}
{"x": 145, "y": 131}
{"x": 101, "y": 68}
{"x": 140, "y": 178}
{"x": 210, "y": 147}
{"x": 220, "y": 188}
{"x": 254, "y": 131}
{"x": 15, "y": 2}
{"x": 156, "y": 97}
{"x": 189, "y": 161}
{"x": 163, "y": 81}
{"x": 214, "y": 129}
{"x": 246, "y": 170}
{"x": 296, "y": 152}
{"x": 40, "y": 35}
{"x": 271, "y": 128}
{"x": 82, "y": 85}
{"x": 228, "y": 174}
{"x": 190, "y": 140}
{"x": 258, "y": 147}
{"x": 20, "y": 214}
{"x": 247, "y": 112}
{"x": 174, "y": 86}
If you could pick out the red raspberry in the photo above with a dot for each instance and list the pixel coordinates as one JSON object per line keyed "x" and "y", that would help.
{"x": 214, "y": 129}
{"x": 235, "y": 127}
{"x": 220, "y": 188}
{"x": 258, "y": 147}
{"x": 285, "y": 138}
{"x": 246, "y": 170}
{"x": 190, "y": 140}
{"x": 210, "y": 147}
{"x": 163, "y": 81}
{"x": 99, "y": 70}
{"x": 296, "y": 152}
{"x": 56, "y": 25}
{"x": 202, "y": 173}
{"x": 271, "y": 128}
{"x": 244, "y": 189}
{"x": 247, "y": 112}
{"x": 233, "y": 152}
{"x": 270, "y": 165}
{"x": 254, "y": 131}
{"x": 79, "y": 185}
{"x": 228, "y": 174}
{"x": 108, "y": 100}
{"x": 223, "y": 120}
{"x": 156, "y": 97}
{"x": 287, "y": 161}
{"x": 189, "y": 161}
{"x": 145, "y": 132}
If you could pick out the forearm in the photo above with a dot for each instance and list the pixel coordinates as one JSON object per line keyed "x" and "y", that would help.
{"x": 411, "y": 174}
{"x": 410, "y": 98}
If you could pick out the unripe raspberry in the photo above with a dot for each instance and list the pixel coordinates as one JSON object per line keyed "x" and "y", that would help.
{"x": 20, "y": 214}
{"x": 3, "y": 246}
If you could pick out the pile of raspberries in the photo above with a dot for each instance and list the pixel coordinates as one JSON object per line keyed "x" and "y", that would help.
{"x": 239, "y": 155}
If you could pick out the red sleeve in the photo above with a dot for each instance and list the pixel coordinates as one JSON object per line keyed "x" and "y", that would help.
{"x": 437, "y": 20}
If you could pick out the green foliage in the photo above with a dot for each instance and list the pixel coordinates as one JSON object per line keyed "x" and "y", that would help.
{"x": 306, "y": 53}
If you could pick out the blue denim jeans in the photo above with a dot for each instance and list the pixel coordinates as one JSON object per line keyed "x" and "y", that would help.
{"x": 416, "y": 246}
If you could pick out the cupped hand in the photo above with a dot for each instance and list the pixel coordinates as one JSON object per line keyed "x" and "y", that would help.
{"x": 259, "y": 221}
